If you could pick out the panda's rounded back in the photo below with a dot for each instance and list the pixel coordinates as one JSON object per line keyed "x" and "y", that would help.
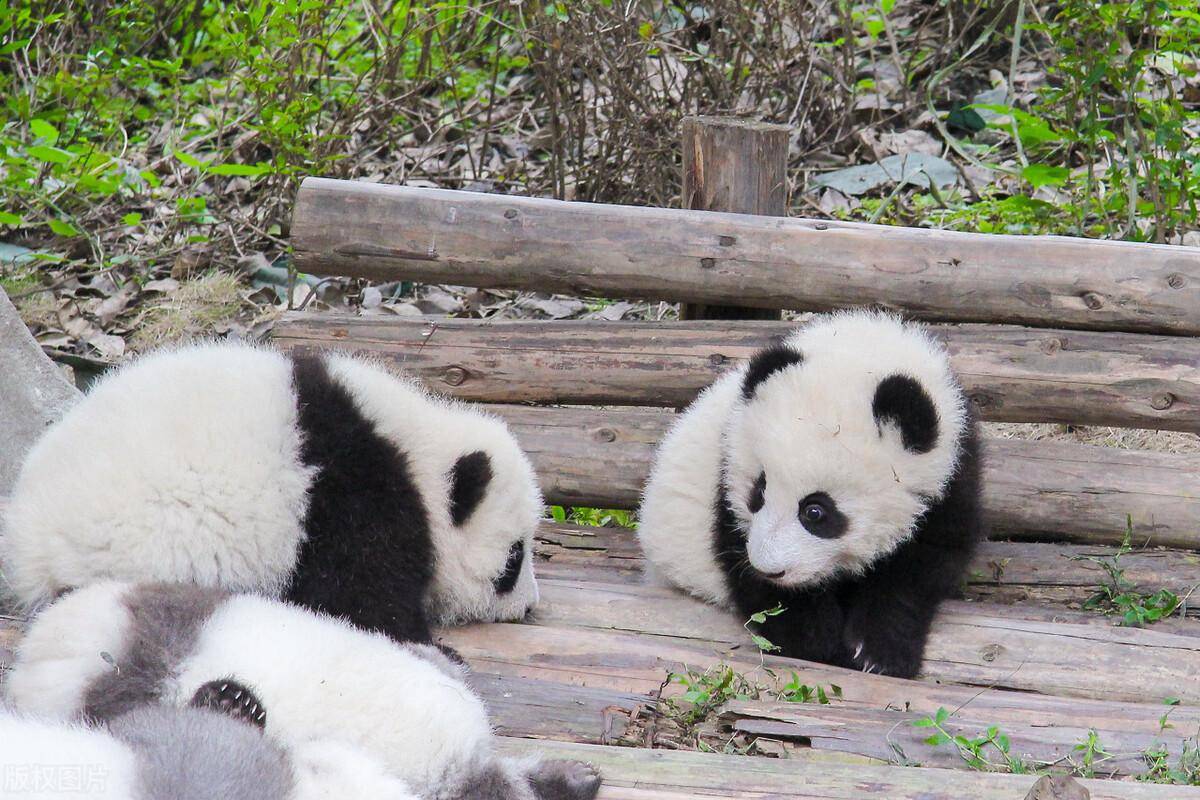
{"x": 183, "y": 465}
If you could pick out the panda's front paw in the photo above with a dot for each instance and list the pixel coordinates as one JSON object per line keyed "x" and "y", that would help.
{"x": 565, "y": 780}
{"x": 877, "y": 653}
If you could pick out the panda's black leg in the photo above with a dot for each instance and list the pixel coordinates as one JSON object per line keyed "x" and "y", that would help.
{"x": 232, "y": 699}
{"x": 810, "y": 628}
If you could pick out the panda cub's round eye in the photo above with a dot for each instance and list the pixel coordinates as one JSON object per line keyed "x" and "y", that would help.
{"x": 821, "y": 517}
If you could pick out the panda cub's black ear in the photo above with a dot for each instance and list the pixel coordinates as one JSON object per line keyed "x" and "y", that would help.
{"x": 469, "y": 479}
{"x": 766, "y": 363}
{"x": 903, "y": 402}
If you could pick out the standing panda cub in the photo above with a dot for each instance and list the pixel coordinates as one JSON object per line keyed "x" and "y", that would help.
{"x": 835, "y": 474}
{"x": 103, "y": 651}
{"x": 325, "y": 480}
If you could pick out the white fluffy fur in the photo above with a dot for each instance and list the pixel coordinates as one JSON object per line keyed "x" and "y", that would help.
{"x": 319, "y": 678}
{"x": 185, "y": 466}
{"x": 41, "y": 760}
{"x": 49, "y": 760}
{"x": 810, "y": 428}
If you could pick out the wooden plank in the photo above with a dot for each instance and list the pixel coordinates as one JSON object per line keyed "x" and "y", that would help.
{"x": 1073, "y": 655}
{"x": 638, "y": 774}
{"x": 1031, "y": 489}
{"x": 442, "y": 236}
{"x": 1044, "y": 573}
{"x": 1012, "y": 374}
{"x": 738, "y": 165}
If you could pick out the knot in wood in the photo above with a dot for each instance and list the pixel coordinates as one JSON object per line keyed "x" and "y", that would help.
{"x": 982, "y": 399}
{"x": 454, "y": 376}
{"x": 707, "y": 263}
{"x": 1162, "y": 401}
{"x": 511, "y": 213}
{"x": 1052, "y": 345}
{"x": 1176, "y": 281}
{"x": 1093, "y": 301}
{"x": 606, "y": 435}
{"x": 716, "y": 360}
{"x": 991, "y": 652}
{"x": 727, "y": 241}
{"x": 821, "y": 226}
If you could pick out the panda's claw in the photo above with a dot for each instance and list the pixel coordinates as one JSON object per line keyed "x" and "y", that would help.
{"x": 232, "y": 699}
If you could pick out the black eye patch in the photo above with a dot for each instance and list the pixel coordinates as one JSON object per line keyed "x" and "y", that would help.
{"x": 766, "y": 363}
{"x": 903, "y": 402}
{"x": 755, "y": 501}
{"x": 469, "y": 479}
{"x": 821, "y": 517}
{"x": 507, "y": 580}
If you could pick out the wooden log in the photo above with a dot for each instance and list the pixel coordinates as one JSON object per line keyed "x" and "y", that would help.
{"x": 1012, "y": 374}
{"x": 1047, "y": 574}
{"x": 638, "y": 774}
{"x": 1031, "y": 490}
{"x": 442, "y": 236}
{"x": 737, "y": 165}
{"x": 890, "y": 736}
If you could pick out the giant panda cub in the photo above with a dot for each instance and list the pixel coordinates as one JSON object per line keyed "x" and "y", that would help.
{"x": 103, "y": 650}
{"x": 196, "y": 752}
{"x": 836, "y": 474}
{"x": 325, "y": 480}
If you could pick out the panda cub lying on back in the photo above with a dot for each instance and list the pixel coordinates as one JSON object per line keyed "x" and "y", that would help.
{"x": 196, "y": 752}
{"x": 101, "y": 651}
{"x": 326, "y": 480}
{"x": 835, "y": 474}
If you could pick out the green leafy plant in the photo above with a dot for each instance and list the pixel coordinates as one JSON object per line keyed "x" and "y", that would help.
{"x": 595, "y": 517}
{"x": 1118, "y": 595}
{"x": 988, "y": 751}
{"x": 763, "y": 644}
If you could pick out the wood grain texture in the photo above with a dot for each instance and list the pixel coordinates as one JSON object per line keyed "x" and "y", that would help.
{"x": 443, "y": 236}
{"x": 1031, "y": 490}
{"x": 579, "y": 640}
{"x": 738, "y": 165}
{"x": 633, "y": 774}
{"x": 1012, "y": 374}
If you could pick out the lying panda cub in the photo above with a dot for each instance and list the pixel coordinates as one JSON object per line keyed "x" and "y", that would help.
{"x": 324, "y": 480}
{"x": 835, "y": 474}
{"x": 188, "y": 753}
{"x": 105, "y": 649}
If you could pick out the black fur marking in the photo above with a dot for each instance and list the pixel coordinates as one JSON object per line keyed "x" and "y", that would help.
{"x": 165, "y": 621}
{"x": 368, "y": 555}
{"x": 821, "y": 517}
{"x": 879, "y": 620}
{"x": 903, "y": 402}
{"x": 506, "y": 581}
{"x": 469, "y": 479}
{"x": 756, "y": 499}
{"x": 767, "y": 362}
{"x": 233, "y": 699}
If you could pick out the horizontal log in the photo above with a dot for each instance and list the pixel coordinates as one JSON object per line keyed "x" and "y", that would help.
{"x": 1041, "y": 573}
{"x": 640, "y": 774}
{"x": 440, "y": 236}
{"x": 1031, "y": 489}
{"x": 1012, "y": 374}
{"x": 1071, "y": 655}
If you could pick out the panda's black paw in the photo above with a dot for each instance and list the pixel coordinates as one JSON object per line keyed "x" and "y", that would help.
{"x": 565, "y": 780}
{"x": 898, "y": 662}
{"x": 232, "y": 699}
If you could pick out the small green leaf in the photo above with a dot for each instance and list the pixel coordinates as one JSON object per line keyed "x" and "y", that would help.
{"x": 245, "y": 170}
{"x": 189, "y": 160}
{"x": 63, "y": 228}
{"x": 923, "y": 723}
{"x": 132, "y": 218}
{"x": 1045, "y": 175}
{"x": 44, "y": 130}
{"x": 52, "y": 155}
{"x": 646, "y": 30}
{"x": 764, "y": 644}
{"x": 10, "y": 219}
{"x": 941, "y": 716}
